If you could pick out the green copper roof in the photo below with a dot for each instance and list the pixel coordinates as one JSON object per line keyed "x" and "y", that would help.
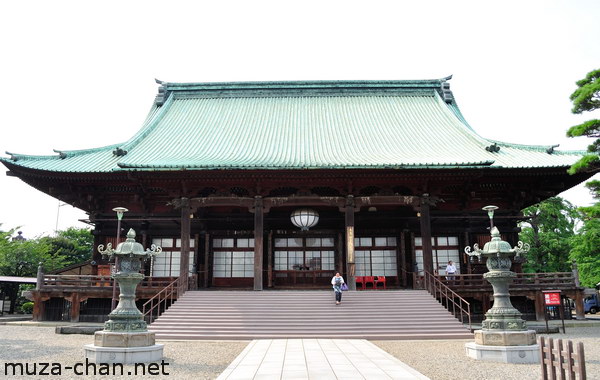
{"x": 295, "y": 125}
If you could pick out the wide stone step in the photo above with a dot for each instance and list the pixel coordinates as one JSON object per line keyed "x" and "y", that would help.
{"x": 316, "y": 323}
{"x": 307, "y": 314}
{"x": 308, "y": 318}
{"x": 304, "y": 311}
{"x": 372, "y": 336}
{"x": 299, "y": 302}
{"x": 298, "y": 328}
{"x": 282, "y": 294}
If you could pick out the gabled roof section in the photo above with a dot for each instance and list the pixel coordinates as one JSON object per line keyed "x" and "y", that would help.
{"x": 302, "y": 125}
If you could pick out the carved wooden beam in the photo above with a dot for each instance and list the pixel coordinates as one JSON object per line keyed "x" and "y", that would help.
{"x": 310, "y": 200}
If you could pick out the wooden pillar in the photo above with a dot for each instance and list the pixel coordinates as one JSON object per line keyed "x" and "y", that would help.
{"x": 466, "y": 269}
{"x": 350, "y": 265}
{"x": 144, "y": 233}
{"x": 414, "y": 270}
{"x": 75, "y": 306}
{"x": 539, "y": 306}
{"x": 39, "y": 282}
{"x": 96, "y": 256}
{"x": 575, "y": 272}
{"x": 258, "y": 243}
{"x": 39, "y": 306}
{"x": 185, "y": 240}
{"x": 196, "y": 263}
{"x": 425, "y": 221}
{"x": 579, "y": 308}
{"x": 207, "y": 268}
{"x": 340, "y": 254}
{"x": 403, "y": 270}
{"x": 270, "y": 260}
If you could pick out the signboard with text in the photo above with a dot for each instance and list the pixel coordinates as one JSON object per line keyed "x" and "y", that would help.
{"x": 552, "y": 298}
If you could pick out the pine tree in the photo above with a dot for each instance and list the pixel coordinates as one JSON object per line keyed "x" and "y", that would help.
{"x": 587, "y": 98}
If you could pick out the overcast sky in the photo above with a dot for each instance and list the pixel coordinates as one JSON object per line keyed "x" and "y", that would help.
{"x": 80, "y": 74}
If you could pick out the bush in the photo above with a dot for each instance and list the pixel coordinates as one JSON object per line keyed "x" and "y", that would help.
{"x": 27, "y": 308}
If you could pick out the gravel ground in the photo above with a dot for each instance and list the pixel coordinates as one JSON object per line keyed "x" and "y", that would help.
{"x": 186, "y": 360}
{"x": 446, "y": 359}
{"x": 440, "y": 360}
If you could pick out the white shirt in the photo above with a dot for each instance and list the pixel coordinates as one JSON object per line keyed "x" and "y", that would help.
{"x": 333, "y": 280}
{"x": 450, "y": 269}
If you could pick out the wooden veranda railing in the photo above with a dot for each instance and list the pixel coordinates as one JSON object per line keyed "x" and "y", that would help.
{"x": 90, "y": 282}
{"x": 454, "y": 303}
{"x": 83, "y": 282}
{"x": 523, "y": 281}
{"x": 156, "y": 305}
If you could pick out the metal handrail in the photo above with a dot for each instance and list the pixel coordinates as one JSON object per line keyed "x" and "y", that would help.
{"x": 158, "y": 304}
{"x": 437, "y": 288}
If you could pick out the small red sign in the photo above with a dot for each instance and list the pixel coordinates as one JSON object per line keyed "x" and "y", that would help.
{"x": 552, "y": 299}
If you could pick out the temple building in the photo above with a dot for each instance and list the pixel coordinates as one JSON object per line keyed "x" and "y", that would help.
{"x": 382, "y": 178}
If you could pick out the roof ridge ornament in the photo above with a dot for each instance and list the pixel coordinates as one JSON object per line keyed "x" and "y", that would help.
{"x": 494, "y": 148}
{"x": 445, "y": 88}
{"x": 119, "y": 152}
{"x": 550, "y": 149}
{"x": 161, "y": 97}
{"x": 61, "y": 154}
{"x": 13, "y": 156}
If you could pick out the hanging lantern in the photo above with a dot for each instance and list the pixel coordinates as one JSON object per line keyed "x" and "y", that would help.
{"x": 305, "y": 218}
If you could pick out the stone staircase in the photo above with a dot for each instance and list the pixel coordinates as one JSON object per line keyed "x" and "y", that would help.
{"x": 391, "y": 314}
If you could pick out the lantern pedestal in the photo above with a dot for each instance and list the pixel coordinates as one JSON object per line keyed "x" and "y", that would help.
{"x": 125, "y": 355}
{"x": 125, "y": 338}
{"x": 505, "y": 354}
{"x": 504, "y": 336}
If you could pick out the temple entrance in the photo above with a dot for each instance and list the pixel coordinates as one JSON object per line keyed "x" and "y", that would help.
{"x": 307, "y": 261}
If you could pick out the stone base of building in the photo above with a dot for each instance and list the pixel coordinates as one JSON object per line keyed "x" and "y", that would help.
{"x": 124, "y": 355}
{"x": 505, "y": 338}
{"x": 123, "y": 339}
{"x": 504, "y": 354}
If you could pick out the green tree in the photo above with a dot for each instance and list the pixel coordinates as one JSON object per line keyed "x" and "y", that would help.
{"x": 587, "y": 98}
{"x": 586, "y": 244}
{"x": 549, "y": 229}
{"x": 21, "y": 258}
{"x": 74, "y": 244}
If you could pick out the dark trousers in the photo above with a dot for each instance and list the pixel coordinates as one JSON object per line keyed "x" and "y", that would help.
{"x": 338, "y": 296}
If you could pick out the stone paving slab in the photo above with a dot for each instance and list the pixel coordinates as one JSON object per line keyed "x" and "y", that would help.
{"x": 316, "y": 359}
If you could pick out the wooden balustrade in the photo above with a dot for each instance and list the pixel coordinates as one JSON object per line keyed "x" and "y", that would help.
{"x": 523, "y": 281}
{"x": 88, "y": 282}
{"x": 161, "y": 291}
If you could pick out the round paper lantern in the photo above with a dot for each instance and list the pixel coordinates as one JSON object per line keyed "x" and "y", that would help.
{"x": 305, "y": 218}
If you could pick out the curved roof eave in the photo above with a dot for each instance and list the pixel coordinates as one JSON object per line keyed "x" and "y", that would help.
{"x": 121, "y": 157}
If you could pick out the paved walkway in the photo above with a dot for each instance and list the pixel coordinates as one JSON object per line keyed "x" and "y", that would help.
{"x": 316, "y": 359}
